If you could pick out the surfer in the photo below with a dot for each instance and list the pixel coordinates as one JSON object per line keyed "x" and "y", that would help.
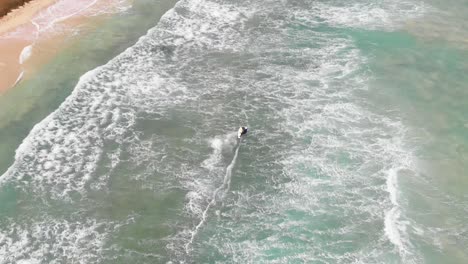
{"x": 242, "y": 131}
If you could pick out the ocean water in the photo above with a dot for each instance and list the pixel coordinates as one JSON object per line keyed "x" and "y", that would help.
{"x": 357, "y": 150}
{"x": 34, "y": 98}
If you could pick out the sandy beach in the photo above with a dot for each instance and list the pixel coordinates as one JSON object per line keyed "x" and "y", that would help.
{"x": 33, "y": 33}
{"x": 11, "y": 48}
{"x": 23, "y": 14}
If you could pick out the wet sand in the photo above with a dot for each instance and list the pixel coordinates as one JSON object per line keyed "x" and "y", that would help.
{"x": 32, "y": 34}
{"x": 11, "y": 48}
{"x": 23, "y": 14}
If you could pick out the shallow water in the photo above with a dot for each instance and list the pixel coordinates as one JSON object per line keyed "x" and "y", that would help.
{"x": 32, "y": 100}
{"x": 356, "y": 152}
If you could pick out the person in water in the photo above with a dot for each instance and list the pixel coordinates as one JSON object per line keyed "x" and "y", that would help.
{"x": 242, "y": 131}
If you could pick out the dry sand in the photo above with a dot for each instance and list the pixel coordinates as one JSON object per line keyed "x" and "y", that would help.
{"x": 23, "y": 14}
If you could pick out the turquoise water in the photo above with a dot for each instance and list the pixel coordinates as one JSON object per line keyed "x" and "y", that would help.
{"x": 32, "y": 100}
{"x": 356, "y": 153}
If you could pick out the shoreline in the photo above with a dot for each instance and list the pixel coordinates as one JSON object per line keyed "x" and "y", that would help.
{"x": 22, "y": 14}
{"x": 12, "y": 50}
{"x": 34, "y": 33}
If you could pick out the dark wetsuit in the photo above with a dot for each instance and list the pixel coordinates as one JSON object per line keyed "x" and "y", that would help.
{"x": 244, "y": 131}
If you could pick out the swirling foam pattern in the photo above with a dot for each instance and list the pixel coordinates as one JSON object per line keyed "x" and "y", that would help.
{"x": 147, "y": 137}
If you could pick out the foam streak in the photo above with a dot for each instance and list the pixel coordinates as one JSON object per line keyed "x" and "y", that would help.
{"x": 225, "y": 186}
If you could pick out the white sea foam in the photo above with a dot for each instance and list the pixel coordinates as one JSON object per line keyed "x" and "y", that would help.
{"x": 347, "y": 153}
{"x": 321, "y": 157}
{"x": 392, "y": 229}
{"x": 219, "y": 144}
{"x": 65, "y": 9}
{"x": 61, "y": 154}
{"x": 385, "y": 15}
{"x": 224, "y": 187}
{"x": 54, "y": 241}
{"x": 20, "y": 77}
{"x": 25, "y": 54}
{"x": 210, "y": 25}
{"x": 200, "y": 185}
{"x": 74, "y": 132}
